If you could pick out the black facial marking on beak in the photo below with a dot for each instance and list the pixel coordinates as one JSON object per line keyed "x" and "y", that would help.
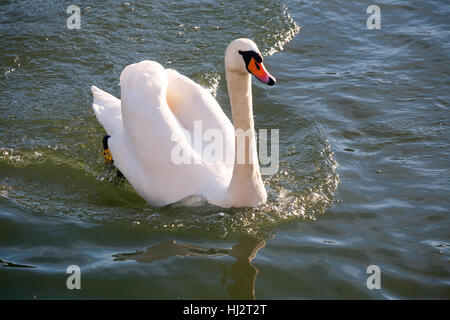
{"x": 248, "y": 55}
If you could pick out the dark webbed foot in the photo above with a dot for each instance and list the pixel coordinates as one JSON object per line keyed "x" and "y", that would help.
{"x": 108, "y": 156}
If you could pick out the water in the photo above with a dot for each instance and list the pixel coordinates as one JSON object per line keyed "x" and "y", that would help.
{"x": 363, "y": 180}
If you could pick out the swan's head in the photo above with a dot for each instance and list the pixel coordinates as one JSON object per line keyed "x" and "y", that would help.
{"x": 243, "y": 56}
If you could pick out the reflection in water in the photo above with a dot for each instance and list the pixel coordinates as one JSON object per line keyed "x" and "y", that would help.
{"x": 14, "y": 265}
{"x": 242, "y": 272}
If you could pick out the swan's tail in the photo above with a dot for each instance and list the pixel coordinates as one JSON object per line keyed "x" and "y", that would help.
{"x": 107, "y": 109}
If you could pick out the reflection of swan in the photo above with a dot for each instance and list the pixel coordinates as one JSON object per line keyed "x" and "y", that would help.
{"x": 157, "y": 116}
{"x": 242, "y": 271}
{"x": 167, "y": 249}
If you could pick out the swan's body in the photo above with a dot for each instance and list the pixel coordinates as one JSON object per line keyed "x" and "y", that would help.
{"x": 156, "y": 118}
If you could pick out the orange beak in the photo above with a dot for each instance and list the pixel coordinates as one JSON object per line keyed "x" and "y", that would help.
{"x": 259, "y": 71}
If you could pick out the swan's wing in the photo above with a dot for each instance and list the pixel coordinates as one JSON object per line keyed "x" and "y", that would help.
{"x": 107, "y": 110}
{"x": 149, "y": 124}
{"x": 147, "y": 150}
{"x": 194, "y": 107}
{"x": 191, "y": 102}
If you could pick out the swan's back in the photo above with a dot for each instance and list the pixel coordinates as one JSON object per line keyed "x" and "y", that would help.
{"x": 142, "y": 142}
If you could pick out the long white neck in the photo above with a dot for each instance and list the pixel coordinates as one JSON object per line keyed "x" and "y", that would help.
{"x": 246, "y": 188}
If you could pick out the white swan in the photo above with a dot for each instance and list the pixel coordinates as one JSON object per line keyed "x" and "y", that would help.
{"x": 157, "y": 115}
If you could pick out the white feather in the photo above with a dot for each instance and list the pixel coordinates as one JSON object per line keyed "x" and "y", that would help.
{"x": 144, "y": 131}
